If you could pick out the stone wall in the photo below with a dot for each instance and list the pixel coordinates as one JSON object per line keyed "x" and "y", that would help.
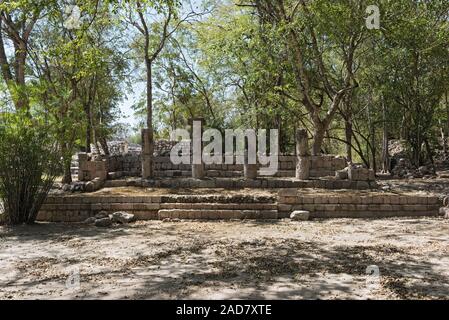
{"x": 72, "y": 208}
{"x": 240, "y": 183}
{"x": 357, "y": 204}
{"x": 124, "y": 161}
{"x": 78, "y": 209}
{"x": 90, "y": 169}
{"x": 130, "y": 165}
{"x": 320, "y": 166}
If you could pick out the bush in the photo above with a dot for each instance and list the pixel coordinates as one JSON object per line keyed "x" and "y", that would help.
{"x": 29, "y": 164}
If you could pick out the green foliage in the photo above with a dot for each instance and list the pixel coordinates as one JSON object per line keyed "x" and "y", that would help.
{"x": 236, "y": 67}
{"x": 29, "y": 164}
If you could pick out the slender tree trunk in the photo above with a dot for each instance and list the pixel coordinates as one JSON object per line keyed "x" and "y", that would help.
{"x": 318, "y": 138}
{"x": 104, "y": 145}
{"x": 88, "y": 110}
{"x": 429, "y": 152}
{"x": 373, "y": 146}
{"x": 443, "y": 137}
{"x": 148, "y": 154}
{"x": 348, "y": 138}
{"x": 67, "y": 178}
{"x": 447, "y": 127}
{"x": 67, "y": 175}
{"x": 4, "y": 65}
{"x": 385, "y": 152}
{"x": 19, "y": 66}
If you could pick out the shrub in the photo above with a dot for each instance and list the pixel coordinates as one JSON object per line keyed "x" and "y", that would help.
{"x": 29, "y": 164}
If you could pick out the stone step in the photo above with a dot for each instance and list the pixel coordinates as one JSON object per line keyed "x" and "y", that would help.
{"x": 236, "y": 199}
{"x": 217, "y": 214}
{"x": 220, "y": 173}
{"x": 220, "y": 206}
{"x": 240, "y": 183}
{"x": 370, "y": 214}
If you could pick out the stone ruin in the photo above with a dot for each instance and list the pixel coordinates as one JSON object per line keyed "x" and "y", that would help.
{"x": 117, "y": 148}
{"x": 402, "y": 168}
{"x": 444, "y": 211}
{"x": 303, "y": 181}
{"x": 325, "y": 171}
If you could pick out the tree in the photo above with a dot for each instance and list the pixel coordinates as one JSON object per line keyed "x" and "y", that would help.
{"x": 154, "y": 39}
{"x": 29, "y": 165}
{"x": 17, "y": 22}
{"x": 80, "y": 77}
{"x": 308, "y": 50}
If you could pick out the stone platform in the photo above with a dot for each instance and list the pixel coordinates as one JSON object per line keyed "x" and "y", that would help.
{"x": 253, "y": 204}
{"x": 239, "y": 183}
{"x": 357, "y": 204}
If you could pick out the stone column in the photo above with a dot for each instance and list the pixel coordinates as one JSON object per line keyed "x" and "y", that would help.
{"x": 302, "y": 154}
{"x": 147, "y": 155}
{"x": 125, "y": 148}
{"x": 249, "y": 170}
{"x": 198, "y": 170}
{"x": 82, "y": 165}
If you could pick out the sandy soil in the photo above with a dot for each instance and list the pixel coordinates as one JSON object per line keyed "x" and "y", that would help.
{"x": 228, "y": 260}
{"x": 438, "y": 187}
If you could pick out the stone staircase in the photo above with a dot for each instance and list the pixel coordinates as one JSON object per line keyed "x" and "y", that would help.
{"x": 239, "y": 206}
{"x": 218, "y": 207}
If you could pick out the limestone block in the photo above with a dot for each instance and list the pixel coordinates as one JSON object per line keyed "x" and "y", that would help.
{"x": 89, "y": 186}
{"x": 362, "y": 185}
{"x": 250, "y": 171}
{"x": 386, "y": 207}
{"x": 444, "y": 212}
{"x": 289, "y": 192}
{"x": 300, "y": 215}
{"x": 103, "y": 223}
{"x": 284, "y": 207}
{"x": 356, "y": 173}
{"x": 378, "y": 199}
{"x": 342, "y": 174}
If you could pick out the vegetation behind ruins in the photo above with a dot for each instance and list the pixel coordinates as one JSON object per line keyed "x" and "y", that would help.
{"x": 260, "y": 64}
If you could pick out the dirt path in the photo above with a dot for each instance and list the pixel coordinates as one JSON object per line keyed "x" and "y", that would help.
{"x": 228, "y": 260}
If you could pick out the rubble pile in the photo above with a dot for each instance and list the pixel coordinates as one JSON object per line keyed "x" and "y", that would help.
{"x": 405, "y": 170}
{"x": 402, "y": 168}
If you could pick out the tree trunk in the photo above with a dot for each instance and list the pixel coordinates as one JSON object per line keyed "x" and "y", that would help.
{"x": 148, "y": 142}
{"x": 447, "y": 127}
{"x": 318, "y": 138}
{"x": 104, "y": 145}
{"x": 89, "y": 130}
{"x": 67, "y": 176}
{"x": 443, "y": 137}
{"x": 429, "y": 153}
{"x": 4, "y": 65}
{"x": 348, "y": 137}
{"x": 19, "y": 66}
{"x": 385, "y": 153}
{"x": 373, "y": 147}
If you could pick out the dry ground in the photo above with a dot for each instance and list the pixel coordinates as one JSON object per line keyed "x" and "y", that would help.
{"x": 228, "y": 260}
